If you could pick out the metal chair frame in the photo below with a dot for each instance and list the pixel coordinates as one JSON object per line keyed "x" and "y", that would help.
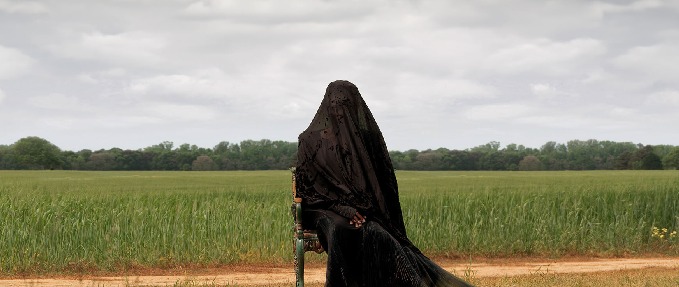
{"x": 304, "y": 240}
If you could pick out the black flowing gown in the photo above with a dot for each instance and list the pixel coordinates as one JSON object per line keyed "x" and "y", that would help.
{"x": 343, "y": 167}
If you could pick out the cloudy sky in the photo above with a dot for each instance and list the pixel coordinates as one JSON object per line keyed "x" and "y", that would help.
{"x": 457, "y": 74}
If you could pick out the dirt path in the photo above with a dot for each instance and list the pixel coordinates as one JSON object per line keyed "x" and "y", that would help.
{"x": 254, "y": 275}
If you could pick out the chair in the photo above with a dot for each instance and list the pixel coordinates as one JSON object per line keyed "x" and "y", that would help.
{"x": 304, "y": 240}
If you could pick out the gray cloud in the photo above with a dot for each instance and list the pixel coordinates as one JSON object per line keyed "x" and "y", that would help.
{"x": 435, "y": 73}
{"x": 14, "y": 62}
{"x": 127, "y": 48}
{"x": 22, "y": 7}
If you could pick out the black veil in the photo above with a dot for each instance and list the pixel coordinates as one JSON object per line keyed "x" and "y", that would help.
{"x": 343, "y": 159}
{"x": 343, "y": 166}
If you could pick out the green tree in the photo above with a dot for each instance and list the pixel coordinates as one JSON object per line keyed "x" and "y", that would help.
{"x": 553, "y": 156}
{"x": 582, "y": 155}
{"x": 409, "y": 158}
{"x": 35, "y": 153}
{"x": 162, "y": 156}
{"x": 4, "y": 156}
{"x": 645, "y": 158}
{"x": 622, "y": 161}
{"x": 134, "y": 160}
{"x": 102, "y": 160}
{"x": 530, "y": 162}
{"x": 203, "y": 162}
{"x": 72, "y": 160}
{"x": 227, "y": 156}
{"x": 663, "y": 150}
{"x": 186, "y": 154}
{"x": 464, "y": 160}
{"x": 671, "y": 159}
{"x": 428, "y": 160}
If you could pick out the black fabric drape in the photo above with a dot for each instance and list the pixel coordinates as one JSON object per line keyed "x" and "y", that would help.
{"x": 343, "y": 166}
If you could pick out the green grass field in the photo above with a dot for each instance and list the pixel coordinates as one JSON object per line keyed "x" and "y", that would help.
{"x": 69, "y": 221}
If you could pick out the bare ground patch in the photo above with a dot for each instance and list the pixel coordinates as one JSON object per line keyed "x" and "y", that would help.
{"x": 254, "y": 275}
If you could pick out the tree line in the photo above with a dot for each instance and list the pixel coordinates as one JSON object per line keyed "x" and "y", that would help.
{"x": 39, "y": 153}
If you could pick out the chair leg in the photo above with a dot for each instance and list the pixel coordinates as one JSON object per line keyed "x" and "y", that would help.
{"x": 299, "y": 262}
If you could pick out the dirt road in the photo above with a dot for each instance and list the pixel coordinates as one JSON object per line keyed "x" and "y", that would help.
{"x": 254, "y": 275}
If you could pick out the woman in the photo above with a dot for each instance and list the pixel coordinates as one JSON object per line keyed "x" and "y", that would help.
{"x": 350, "y": 196}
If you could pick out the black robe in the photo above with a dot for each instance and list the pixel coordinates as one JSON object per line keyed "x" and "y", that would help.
{"x": 343, "y": 167}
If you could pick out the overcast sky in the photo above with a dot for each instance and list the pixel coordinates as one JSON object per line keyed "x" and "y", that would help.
{"x": 455, "y": 74}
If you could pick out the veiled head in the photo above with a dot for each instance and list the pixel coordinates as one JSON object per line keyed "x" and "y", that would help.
{"x": 340, "y": 96}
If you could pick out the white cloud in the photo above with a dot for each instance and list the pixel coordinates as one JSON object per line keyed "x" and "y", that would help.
{"x": 59, "y": 102}
{"x": 2, "y": 96}
{"x": 22, "y": 7}
{"x": 210, "y": 83}
{"x": 271, "y": 11}
{"x": 409, "y": 94}
{"x": 668, "y": 97}
{"x": 555, "y": 121}
{"x": 600, "y": 9}
{"x": 102, "y": 77}
{"x": 14, "y": 62}
{"x": 622, "y": 112}
{"x": 168, "y": 112}
{"x": 544, "y": 91}
{"x": 87, "y": 78}
{"x": 545, "y": 56}
{"x": 497, "y": 112}
{"x": 61, "y": 122}
{"x": 548, "y": 68}
{"x": 654, "y": 62}
{"x": 114, "y": 72}
{"x": 131, "y": 48}
{"x": 596, "y": 76}
{"x": 547, "y": 92}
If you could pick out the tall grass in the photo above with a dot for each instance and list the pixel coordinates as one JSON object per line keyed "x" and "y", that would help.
{"x": 76, "y": 220}
{"x": 545, "y": 213}
{"x": 53, "y": 221}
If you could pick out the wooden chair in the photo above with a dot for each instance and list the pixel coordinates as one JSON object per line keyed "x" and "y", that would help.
{"x": 304, "y": 240}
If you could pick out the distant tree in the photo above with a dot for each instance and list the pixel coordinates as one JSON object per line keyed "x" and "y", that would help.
{"x": 396, "y": 159}
{"x": 622, "y": 161}
{"x": 671, "y": 159}
{"x": 663, "y": 150}
{"x": 203, "y": 162}
{"x": 284, "y": 153}
{"x": 582, "y": 154}
{"x": 553, "y": 156}
{"x": 35, "y": 153}
{"x": 4, "y": 157}
{"x": 134, "y": 160}
{"x": 512, "y": 154}
{"x": 530, "y": 162}
{"x": 428, "y": 160}
{"x": 464, "y": 160}
{"x": 165, "y": 146}
{"x": 492, "y": 161}
{"x": 163, "y": 157}
{"x": 187, "y": 153}
{"x": 490, "y": 147}
{"x": 611, "y": 151}
{"x": 645, "y": 158}
{"x": 72, "y": 160}
{"x": 165, "y": 161}
{"x": 409, "y": 158}
{"x": 102, "y": 160}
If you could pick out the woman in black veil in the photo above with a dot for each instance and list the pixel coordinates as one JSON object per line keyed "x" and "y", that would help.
{"x": 350, "y": 196}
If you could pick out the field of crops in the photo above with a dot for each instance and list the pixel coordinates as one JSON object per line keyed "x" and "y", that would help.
{"x": 53, "y": 221}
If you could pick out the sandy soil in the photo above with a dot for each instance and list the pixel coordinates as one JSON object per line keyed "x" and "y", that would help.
{"x": 263, "y": 275}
